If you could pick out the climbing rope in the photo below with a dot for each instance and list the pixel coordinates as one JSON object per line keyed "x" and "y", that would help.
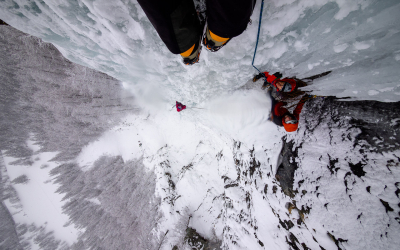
{"x": 258, "y": 35}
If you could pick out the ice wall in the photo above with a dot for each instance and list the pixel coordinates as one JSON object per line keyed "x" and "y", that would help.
{"x": 358, "y": 40}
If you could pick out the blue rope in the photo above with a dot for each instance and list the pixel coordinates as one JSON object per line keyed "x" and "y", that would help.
{"x": 258, "y": 35}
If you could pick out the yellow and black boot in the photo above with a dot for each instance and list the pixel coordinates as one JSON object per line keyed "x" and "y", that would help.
{"x": 214, "y": 42}
{"x": 192, "y": 55}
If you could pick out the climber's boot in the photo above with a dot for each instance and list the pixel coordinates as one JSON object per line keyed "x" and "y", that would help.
{"x": 214, "y": 42}
{"x": 192, "y": 55}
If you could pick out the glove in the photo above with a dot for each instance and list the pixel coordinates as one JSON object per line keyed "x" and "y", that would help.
{"x": 256, "y": 77}
{"x": 278, "y": 74}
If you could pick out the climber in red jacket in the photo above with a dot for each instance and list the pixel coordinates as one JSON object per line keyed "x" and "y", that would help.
{"x": 180, "y": 106}
{"x": 282, "y": 117}
{"x": 281, "y": 85}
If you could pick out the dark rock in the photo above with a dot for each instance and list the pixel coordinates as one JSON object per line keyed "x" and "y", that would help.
{"x": 391, "y": 163}
{"x": 286, "y": 224}
{"x": 357, "y": 169}
{"x": 254, "y": 164}
{"x": 364, "y": 116}
{"x": 345, "y": 180}
{"x": 266, "y": 188}
{"x": 387, "y": 206}
{"x": 274, "y": 189}
{"x": 305, "y": 210}
{"x": 337, "y": 241}
{"x": 285, "y": 172}
{"x": 383, "y": 136}
{"x": 369, "y": 189}
{"x": 289, "y": 206}
{"x": 231, "y": 185}
{"x": 2, "y": 22}
{"x": 292, "y": 242}
{"x": 171, "y": 184}
{"x": 305, "y": 247}
{"x": 332, "y": 163}
{"x": 195, "y": 240}
{"x": 248, "y": 200}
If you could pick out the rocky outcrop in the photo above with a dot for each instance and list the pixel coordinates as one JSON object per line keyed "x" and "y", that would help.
{"x": 346, "y": 155}
{"x": 285, "y": 171}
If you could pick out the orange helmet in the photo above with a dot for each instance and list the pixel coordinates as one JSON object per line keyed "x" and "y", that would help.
{"x": 290, "y": 127}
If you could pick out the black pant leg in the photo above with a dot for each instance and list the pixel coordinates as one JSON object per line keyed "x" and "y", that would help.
{"x": 275, "y": 119}
{"x": 175, "y": 21}
{"x": 229, "y": 18}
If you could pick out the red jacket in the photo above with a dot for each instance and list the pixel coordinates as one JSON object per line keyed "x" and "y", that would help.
{"x": 279, "y": 110}
{"x": 273, "y": 79}
{"x": 180, "y": 106}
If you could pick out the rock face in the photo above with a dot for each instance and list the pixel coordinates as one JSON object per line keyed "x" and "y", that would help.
{"x": 344, "y": 164}
{"x": 287, "y": 167}
{"x": 379, "y": 125}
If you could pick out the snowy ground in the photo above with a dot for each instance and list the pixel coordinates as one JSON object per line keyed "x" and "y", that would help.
{"x": 211, "y": 167}
{"x": 39, "y": 203}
